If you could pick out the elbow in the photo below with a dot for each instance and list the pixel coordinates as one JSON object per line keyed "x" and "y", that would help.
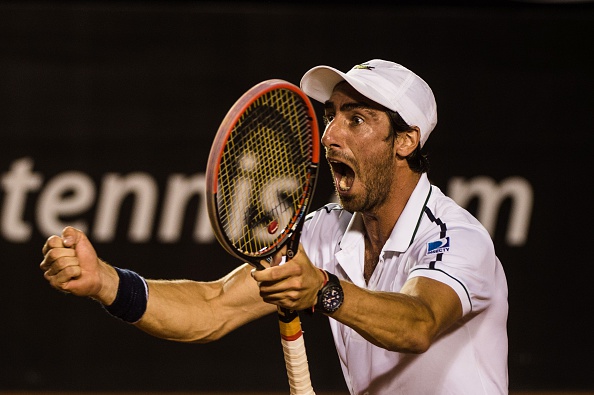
{"x": 197, "y": 338}
{"x": 421, "y": 345}
{"x": 420, "y": 340}
{"x": 204, "y": 340}
{"x": 413, "y": 345}
{"x": 190, "y": 334}
{"x": 203, "y": 337}
{"x": 413, "y": 341}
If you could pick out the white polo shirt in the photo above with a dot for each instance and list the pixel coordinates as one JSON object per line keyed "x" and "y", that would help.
{"x": 435, "y": 238}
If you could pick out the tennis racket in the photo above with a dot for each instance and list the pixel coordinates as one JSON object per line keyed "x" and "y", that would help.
{"x": 260, "y": 178}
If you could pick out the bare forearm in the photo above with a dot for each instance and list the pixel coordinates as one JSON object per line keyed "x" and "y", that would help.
{"x": 190, "y": 311}
{"x": 389, "y": 320}
{"x": 407, "y": 321}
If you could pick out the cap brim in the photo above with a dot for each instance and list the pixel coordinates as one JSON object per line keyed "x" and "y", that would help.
{"x": 319, "y": 82}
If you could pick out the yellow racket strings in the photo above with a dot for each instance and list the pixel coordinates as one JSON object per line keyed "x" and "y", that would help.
{"x": 264, "y": 172}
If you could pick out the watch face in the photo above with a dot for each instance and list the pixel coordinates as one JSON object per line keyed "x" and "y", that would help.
{"x": 332, "y": 298}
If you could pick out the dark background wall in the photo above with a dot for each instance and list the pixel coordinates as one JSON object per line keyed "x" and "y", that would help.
{"x": 92, "y": 90}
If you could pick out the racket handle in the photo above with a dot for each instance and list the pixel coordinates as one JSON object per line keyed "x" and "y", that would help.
{"x": 295, "y": 354}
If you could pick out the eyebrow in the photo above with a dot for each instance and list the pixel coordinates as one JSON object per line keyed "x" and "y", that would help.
{"x": 328, "y": 105}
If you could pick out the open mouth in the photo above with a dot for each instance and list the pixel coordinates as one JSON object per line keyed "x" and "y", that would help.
{"x": 344, "y": 176}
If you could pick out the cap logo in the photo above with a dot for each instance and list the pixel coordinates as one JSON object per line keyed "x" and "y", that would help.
{"x": 363, "y": 67}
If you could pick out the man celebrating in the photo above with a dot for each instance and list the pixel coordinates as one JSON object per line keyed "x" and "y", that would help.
{"x": 416, "y": 295}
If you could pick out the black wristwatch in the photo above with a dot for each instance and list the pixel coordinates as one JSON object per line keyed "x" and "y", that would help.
{"x": 330, "y": 297}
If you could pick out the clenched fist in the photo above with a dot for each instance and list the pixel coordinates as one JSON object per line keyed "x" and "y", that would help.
{"x": 71, "y": 265}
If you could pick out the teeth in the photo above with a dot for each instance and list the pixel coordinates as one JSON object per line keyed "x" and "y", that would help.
{"x": 344, "y": 176}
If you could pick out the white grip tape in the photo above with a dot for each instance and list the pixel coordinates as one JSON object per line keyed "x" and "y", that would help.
{"x": 297, "y": 367}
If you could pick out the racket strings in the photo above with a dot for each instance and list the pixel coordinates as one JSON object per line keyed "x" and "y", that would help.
{"x": 266, "y": 166}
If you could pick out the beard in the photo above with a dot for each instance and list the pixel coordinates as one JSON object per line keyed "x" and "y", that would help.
{"x": 376, "y": 179}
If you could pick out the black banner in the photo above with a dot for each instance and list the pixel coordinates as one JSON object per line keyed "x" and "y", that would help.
{"x": 108, "y": 111}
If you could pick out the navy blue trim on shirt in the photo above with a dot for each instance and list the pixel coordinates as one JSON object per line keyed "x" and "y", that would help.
{"x": 329, "y": 207}
{"x": 438, "y": 258}
{"x": 421, "y": 216}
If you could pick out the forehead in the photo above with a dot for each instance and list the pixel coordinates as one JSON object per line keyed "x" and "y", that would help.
{"x": 344, "y": 93}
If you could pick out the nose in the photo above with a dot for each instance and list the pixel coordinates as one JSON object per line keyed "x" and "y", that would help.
{"x": 330, "y": 138}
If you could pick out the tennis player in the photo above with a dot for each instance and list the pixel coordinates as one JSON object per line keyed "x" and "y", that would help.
{"x": 416, "y": 295}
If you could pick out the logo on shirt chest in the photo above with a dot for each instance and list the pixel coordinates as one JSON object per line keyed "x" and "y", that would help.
{"x": 438, "y": 246}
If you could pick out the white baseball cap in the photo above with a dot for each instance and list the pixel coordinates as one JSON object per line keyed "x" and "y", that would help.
{"x": 387, "y": 83}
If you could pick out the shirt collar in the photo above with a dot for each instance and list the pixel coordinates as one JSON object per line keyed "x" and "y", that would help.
{"x": 408, "y": 222}
{"x": 406, "y": 226}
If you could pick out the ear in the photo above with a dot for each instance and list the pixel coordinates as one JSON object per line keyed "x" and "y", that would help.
{"x": 408, "y": 141}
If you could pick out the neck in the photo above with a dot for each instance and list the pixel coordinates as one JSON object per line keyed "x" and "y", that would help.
{"x": 380, "y": 222}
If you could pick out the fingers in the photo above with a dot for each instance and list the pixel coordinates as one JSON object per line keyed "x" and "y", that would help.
{"x": 52, "y": 242}
{"x": 53, "y": 250}
{"x": 71, "y": 264}
{"x": 60, "y": 265}
{"x": 61, "y": 277}
{"x": 277, "y": 258}
{"x": 276, "y": 272}
{"x": 55, "y": 259}
{"x": 274, "y": 280}
{"x": 293, "y": 285}
{"x": 272, "y": 274}
{"x": 72, "y": 236}
{"x": 281, "y": 285}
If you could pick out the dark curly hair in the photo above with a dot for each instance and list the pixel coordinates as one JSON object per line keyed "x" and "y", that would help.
{"x": 417, "y": 160}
